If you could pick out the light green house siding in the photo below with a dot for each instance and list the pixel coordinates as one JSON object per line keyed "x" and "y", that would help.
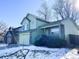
{"x": 40, "y": 23}
{"x": 33, "y": 21}
{"x": 24, "y": 38}
{"x": 25, "y": 25}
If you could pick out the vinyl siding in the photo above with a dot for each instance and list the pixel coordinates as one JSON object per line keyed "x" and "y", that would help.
{"x": 33, "y": 22}
{"x": 40, "y": 23}
{"x": 70, "y": 28}
{"x": 24, "y": 24}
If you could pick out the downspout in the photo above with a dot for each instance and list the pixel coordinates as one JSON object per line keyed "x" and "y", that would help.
{"x": 30, "y": 34}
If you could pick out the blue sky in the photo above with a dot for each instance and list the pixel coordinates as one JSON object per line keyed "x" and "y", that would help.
{"x": 13, "y": 11}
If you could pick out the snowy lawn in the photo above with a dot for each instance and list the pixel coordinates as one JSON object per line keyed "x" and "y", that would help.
{"x": 72, "y": 54}
{"x": 33, "y": 52}
{"x": 3, "y": 45}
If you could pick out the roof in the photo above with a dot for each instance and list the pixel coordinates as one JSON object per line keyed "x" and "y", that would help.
{"x": 59, "y": 22}
{"x": 52, "y": 23}
{"x": 25, "y": 18}
{"x": 42, "y": 20}
{"x": 35, "y": 17}
{"x": 17, "y": 28}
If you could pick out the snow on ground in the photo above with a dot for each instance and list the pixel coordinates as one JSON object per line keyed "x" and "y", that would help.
{"x": 73, "y": 54}
{"x": 3, "y": 45}
{"x": 33, "y": 52}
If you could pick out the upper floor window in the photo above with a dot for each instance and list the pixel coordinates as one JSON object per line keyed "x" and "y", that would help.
{"x": 26, "y": 27}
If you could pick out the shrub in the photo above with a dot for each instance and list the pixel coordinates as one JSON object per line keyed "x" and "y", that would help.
{"x": 51, "y": 42}
{"x": 56, "y": 43}
{"x": 41, "y": 41}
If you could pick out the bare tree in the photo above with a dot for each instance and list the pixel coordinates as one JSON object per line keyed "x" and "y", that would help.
{"x": 44, "y": 11}
{"x": 3, "y": 29}
{"x": 65, "y": 9}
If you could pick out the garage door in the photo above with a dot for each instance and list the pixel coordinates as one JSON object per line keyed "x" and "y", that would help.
{"x": 24, "y": 38}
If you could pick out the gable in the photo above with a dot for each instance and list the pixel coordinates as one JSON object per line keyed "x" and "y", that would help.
{"x": 37, "y": 18}
{"x": 25, "y": 19}
{"x": 70, "y": 27}
{"x": 32, "y": 21}
{"x": 25, "y": 23}
{"x": 35, "y": 21}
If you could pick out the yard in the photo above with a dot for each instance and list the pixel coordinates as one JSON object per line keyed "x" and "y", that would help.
{"x": 33, "y": 52}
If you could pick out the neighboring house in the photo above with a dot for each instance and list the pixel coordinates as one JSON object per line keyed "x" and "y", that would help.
{"x": 12, "y": 35}
{"x": 33, "y": 27}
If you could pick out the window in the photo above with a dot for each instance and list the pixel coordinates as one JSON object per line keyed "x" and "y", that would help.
{"x": 26, "y": 27}
{"x": 54, "y": 31}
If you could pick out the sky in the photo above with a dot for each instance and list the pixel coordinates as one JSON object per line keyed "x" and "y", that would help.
{"x": 13, "y": 11}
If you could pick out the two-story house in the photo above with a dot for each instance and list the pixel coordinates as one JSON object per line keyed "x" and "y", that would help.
{"x": 33, "y": 27}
